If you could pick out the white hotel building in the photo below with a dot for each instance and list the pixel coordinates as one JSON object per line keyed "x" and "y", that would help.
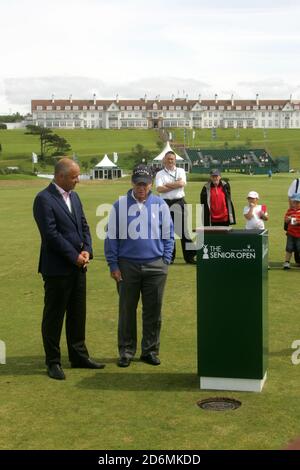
{"x": 176, "y": 112}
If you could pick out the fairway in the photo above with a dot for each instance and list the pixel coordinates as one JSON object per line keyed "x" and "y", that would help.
{"x": 141, "y": 407}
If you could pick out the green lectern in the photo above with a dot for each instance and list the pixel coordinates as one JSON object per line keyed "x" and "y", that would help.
{"x": 232, "y": 295}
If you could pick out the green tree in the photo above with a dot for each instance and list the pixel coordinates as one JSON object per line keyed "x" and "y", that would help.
{"x": 140, "y": 155}
{"x": 3, "y": 126}
{"x": 59, "y": 144}
{"x": 160, "y": 144}
{"x": 94, "y": 161}
{"x": 85, "y": 165}
{"x": 16, "y": 117}
{"x": 43, "y": 133}
{"x": 49, "y": 141}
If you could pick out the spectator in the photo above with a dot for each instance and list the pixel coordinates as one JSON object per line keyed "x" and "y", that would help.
{"x": 216, "y": 200}
{"x": 292, "y": 221}
{"x": 170, "y": 183}
{"x": 255, "y": 213}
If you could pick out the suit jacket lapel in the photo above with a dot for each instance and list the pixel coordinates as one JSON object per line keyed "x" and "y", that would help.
{"x": 59, "y": 198}
{"x": 75, "y": 214}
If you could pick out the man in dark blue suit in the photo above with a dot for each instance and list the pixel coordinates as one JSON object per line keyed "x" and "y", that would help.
{"x": 66, "y": 248}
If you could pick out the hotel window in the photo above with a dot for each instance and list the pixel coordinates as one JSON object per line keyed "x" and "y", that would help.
{"x": 178, "y": 107}
{"x": 39, "y": 108}
{"x": 49, "y": 108}
{"x": 101, "y": 107}
{"x": 136, "y": 108}
{"x": 67, "y": 108}
{"x": 129, "y": 108}
{"x": 171, "y": 108}
{"x": 84, "y": 108}
{"x": 57, "y": 108}
{"x": 92, "y": 107}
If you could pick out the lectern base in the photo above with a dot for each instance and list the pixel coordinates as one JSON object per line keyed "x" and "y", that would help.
{"x": 239, "y": 385}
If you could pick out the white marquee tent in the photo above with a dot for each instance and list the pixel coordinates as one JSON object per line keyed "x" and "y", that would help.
{"x": 106, "y": 169}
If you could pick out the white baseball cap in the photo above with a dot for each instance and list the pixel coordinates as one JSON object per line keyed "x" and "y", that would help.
{"x": 253, "y": 194}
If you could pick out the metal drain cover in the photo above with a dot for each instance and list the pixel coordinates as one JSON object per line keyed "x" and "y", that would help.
{"x": 219, "y": 404}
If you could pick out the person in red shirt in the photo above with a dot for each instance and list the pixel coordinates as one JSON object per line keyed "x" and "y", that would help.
{"x": 292, "y": 223}
{"x": 216, "y": 200}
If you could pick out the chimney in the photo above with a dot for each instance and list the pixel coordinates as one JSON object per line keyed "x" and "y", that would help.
{"x": 232, "y": 100}
{"x": 173, "y": 98}
{"x": 199, "y": 99}
{"x": 117, "y": 98}
{"x": 70, "y": 98}
{"x": 186, "y": 97}
{"x": 158, "y": 98}
{"x": 257, "y": 100}
{"x": 290, "y": 98}
{"x": 52, "y": 99}
{"x": 216, "y": 98}
{"x": 145, "y": 98}
{"x": 94, "y": 98}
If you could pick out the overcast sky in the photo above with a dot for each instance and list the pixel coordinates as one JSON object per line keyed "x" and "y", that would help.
{"x": 133, "y": 47}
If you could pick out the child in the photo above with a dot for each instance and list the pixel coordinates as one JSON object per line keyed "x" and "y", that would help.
{"x": 292, "y": 222}
{"x": 255, "y": 213}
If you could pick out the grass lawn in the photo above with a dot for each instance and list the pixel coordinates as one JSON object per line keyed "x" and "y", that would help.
{"x": 17, "y": 147}
{"x": 141, "y": 407}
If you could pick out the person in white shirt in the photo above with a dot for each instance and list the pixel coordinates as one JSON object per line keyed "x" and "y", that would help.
{"x": 255, "y": 213}
{"x": 170, "y": 183}
{"x": 294, "y": 188}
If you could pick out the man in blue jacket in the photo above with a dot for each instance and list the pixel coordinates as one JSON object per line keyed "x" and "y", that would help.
{"x": 66, "y": 248}
{"x": 138, "y": 250}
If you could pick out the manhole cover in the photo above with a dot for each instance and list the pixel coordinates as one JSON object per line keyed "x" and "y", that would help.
{"x": 219, "y": 404}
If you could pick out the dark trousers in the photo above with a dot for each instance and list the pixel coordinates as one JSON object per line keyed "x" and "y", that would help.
{"x": 146, "y": 280}
{"x": 179, "y": 217}
{"x": 65, "y": 294}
